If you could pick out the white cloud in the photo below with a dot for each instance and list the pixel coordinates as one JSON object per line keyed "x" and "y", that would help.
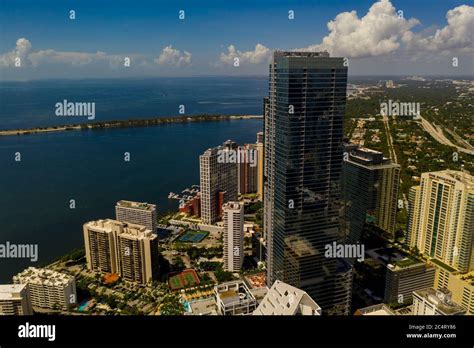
{"x": 381, "y": 31}
{"x": 172, "y": 56}
{"x": 21, "y": 50}
{"x": 458, "y": 34}
{"x": 260, "y": 54}
{"x": 29, "y": 57}
{"x": 73, "y": 58}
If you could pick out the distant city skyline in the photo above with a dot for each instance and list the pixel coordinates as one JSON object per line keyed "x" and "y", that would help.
{"x": 384, "y": 37}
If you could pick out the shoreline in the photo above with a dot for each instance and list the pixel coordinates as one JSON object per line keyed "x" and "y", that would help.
{"x": 145, "y": 122}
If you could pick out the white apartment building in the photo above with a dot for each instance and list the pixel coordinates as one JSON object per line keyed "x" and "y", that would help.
{"x": 137, "y": 254}
{"x": 234, "y": 298}
{"x": 126, "y": 249}
{"x": 233, "y": 236}
{"x": 14, "y": 300}
{"x": 435, "y": 302}
{"x": 137, "y": 213}
{"x": 100, "y": 245}
{"x": 441, "y": 218}
{"x": 284, "y": 299}
{"x": 48, "y": 288}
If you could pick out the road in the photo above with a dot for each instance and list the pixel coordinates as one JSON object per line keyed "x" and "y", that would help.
{"x": 391, "y": 149}
{"x": 437, "y": 134}
{"x": 460, "y": 140}
{"x": 393, "y": 154}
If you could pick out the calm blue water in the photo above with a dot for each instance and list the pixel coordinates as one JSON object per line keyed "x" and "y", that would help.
{"x": 30, "y": 104}
{"x": 88, "y": 166}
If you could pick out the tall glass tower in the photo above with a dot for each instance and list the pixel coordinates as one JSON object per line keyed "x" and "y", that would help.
{"x": 304, "y": 119}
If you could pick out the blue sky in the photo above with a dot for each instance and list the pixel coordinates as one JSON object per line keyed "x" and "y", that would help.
{"x": 143, "y": 29}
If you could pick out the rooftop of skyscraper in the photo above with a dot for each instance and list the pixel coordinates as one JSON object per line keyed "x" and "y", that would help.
{"x": 232, "y": 205}
{"x": 136, "y": 205}
{"x": 457, "y": 175}
{"x": 127, "y": 228}
{"x": 227, "y": 145}
{"x": 366, "y": 156}
{"x": 303, "y": 54}
{"x": 393, "y": 258}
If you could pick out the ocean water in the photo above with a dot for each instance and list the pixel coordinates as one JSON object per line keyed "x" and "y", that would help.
{"x": 89, "y": 166}
{"x": 31, "y": 104}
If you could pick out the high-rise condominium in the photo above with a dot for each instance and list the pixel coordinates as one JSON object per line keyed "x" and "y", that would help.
{"x": 370, "y": 186}
{"x": 441, "y": 218}
{"x": 260, "y": 161}
{"x": 304, "y": 116}
{"x": 218, "y": 173}
{"x": 137, "y": 213}
{"x": 126, "y": 249}
{"x": 233, "y": 236}
{"x": 247, "y": 169}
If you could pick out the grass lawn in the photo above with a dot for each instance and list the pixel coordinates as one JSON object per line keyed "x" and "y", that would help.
{"x": 184, "y": 279}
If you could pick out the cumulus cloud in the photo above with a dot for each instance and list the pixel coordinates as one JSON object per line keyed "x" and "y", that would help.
{"x": 381, "y": 31}
{"x": 260, "y": 54}
{"x": 458, "y": 34}
{"x": 21, "y": 50}
{"x": 174, "y": 57}
{"x": 29, "y": 57}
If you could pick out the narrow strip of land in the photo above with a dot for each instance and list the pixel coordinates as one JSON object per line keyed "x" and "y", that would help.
{"x": 147, "y": 122}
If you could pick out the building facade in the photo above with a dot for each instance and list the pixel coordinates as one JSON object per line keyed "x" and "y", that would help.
{"x": 128, "y": 250}
{"x": 402, "y": 279}
{"x": 248, "y": 169}
{"x": 260, "y": 164}
{"x": 137, "y": 213}
{"x": 233, "y": 236}
{"x": 234, "y": 298}
{"x": 48, "y": 288}
{"x": 461, "y": 285}
{"x": 138, "y": 254}
{"x": 14, "y": 300}
{"x": 218, "y": 177}
{"x": 304, "y": 117}
{"x": 191, "y": 207}
{"x": 370, "y": 186}
{"x": 435, "y": 302}
{"x": 441, "y": 218}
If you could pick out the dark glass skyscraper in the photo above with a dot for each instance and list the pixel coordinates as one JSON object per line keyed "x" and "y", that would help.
{"x": 370, "y": 186}
{"x": 304, "y": 118}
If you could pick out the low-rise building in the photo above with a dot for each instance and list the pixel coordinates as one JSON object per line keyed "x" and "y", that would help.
{"x": 460, "y": 284}
{"x": 48, "y": 288}
{"x": 378, "y": 309}
{"x": 284, "y": 299}
{"x": 234, "y": 298}
{"x": 14, "y": 300}
{"x": 435, "y": 302}
{"x": 404, "y": 277}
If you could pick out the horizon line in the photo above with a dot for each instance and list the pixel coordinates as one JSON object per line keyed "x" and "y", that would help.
{"x": 250, "y": 76}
